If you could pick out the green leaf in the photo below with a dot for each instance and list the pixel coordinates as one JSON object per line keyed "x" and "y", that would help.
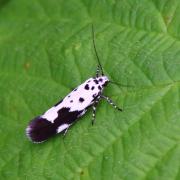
{"x": 46, "y": 50}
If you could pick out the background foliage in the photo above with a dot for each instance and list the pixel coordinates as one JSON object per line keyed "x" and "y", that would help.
{"x": 46, "y": 50}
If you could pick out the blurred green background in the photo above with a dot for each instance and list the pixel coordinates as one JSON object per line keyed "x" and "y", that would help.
{"x": 46, "y": 50}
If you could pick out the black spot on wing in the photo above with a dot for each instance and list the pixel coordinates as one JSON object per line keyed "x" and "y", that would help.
{"x": 92, "y": 87}
{"x": 58, "y": 102}
{"x": 96, "y": 81}
{"x": 99, "y": 87}
{"x": 81, "y": 99}
{"x": 75, "y": 89}
{"x": 66, "y": 117}
{"x": 86, "y": 87}
{"x": 40, "y": 129}
{"x": 100, "y": 79}
{"x": 71, "y": 101}
{"x": 95, "y": 97}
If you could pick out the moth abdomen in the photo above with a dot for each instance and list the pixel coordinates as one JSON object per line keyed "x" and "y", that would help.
{"x": 40, "y": 129}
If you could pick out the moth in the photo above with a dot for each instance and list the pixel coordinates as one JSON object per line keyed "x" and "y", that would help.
{"x": 67, "y": 111}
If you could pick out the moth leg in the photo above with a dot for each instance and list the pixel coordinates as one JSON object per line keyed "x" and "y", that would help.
{"x": 65, "y": 131}
{"x": 111, "y": 102}
{"x": 94, "y": 112}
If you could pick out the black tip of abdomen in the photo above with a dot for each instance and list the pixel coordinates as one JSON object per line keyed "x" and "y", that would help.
{"x": 40, "y": 129}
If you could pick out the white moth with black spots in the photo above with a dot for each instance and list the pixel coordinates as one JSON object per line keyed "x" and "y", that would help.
{"x": 62, "y": 115}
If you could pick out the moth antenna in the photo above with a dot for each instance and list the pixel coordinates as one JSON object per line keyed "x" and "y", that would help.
{"x": 99, "y": 64}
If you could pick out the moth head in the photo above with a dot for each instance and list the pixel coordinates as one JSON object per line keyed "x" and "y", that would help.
{"x": 103, "y": 80}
